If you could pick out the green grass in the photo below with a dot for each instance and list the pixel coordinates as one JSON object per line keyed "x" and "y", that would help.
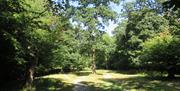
{"x": 118, "y": 81}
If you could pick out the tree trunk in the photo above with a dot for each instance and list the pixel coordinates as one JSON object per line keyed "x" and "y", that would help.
{"x": 30, "y": 71}
{"x": 93, "y": 67}
{"x": 29, "y": 76}
{"x": 171, "y": 72}
{"x": 106, "y": 62}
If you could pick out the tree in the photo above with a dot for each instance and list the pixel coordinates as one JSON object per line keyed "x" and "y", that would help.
{"x": 171, "y": 4}
{"x": 141, "y": 25}
{"x": 162, "y": 53}
{"x": 143, "y": 20}
{"x": 92, "y": 16}
{"x": 67, "y": 55}
{"x": 165, "y": 44}
{"x": 26, "y": 20}
{"x": 105, "y": 48}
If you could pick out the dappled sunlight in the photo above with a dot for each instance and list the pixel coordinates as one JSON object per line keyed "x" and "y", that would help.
{"x": 144, "y": 84}
{"x": 105, "y": 80}
{"x": 67, "y": 78}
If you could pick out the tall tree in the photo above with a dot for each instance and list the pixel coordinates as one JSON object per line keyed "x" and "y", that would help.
{"x": 144, "y": 20}
{"x": 162, "y": 53}
{"x": 24, "y": 19}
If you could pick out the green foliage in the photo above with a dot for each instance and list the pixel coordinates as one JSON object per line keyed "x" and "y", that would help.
{"x": 22, "y": 29}
{"x": 140, "y": 26}
{"x": 145, "y": 20}
{"x": 161, "y": 52}
{"x": 105, "y": 48}
{"x": 67, "y": 54}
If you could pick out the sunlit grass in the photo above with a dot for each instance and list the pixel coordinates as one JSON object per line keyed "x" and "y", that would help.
{"x": 67, "y": 78}
{"x": 105, "y": 80}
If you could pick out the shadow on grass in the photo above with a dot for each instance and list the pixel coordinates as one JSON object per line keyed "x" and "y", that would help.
{"x": 138, "y": 83}
{"x": 128, "y": 72}
{"x": 146, "y": 84}
{"x": 85, "y": 73}
{"x": 82, "y": 73}
{"x": 41, "y": 84}
{"x": 101, "y": 87}
{"x": 50, "y": 84}
{"x": 11, "y": 86}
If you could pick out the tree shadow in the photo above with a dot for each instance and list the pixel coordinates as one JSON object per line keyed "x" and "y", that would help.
{"x": 101, "y": 87}
{"x": 82, "y": 73}
{"x": 146, "y": 83}
{"x": 85, "y": 73}
{"x": 40, "y": 84}
{"x": 139, "y": 83}
{"x": 51, "y": 84}
{"x": 128, "y": 72}
{"x": 11, "y": 86}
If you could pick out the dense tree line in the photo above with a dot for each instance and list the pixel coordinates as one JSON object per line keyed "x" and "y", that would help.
{"x": 148, "y": 37}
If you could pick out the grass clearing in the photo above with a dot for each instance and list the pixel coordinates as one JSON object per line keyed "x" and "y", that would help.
{"x": 104, "y": 80}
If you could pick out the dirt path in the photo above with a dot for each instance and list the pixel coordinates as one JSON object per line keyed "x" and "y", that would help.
{"x": 107, "y": 76}
{"x": 80, "y": 86}
{"x": 83, "y": 87}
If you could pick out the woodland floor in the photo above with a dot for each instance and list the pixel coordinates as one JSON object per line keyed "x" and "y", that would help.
{"x": 104, "y": 80}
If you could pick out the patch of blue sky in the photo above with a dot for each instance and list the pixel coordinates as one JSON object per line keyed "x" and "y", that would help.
{"x": 117, "y": 8}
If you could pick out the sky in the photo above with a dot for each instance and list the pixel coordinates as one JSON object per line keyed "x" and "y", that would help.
{"x": 113, "y": 25}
